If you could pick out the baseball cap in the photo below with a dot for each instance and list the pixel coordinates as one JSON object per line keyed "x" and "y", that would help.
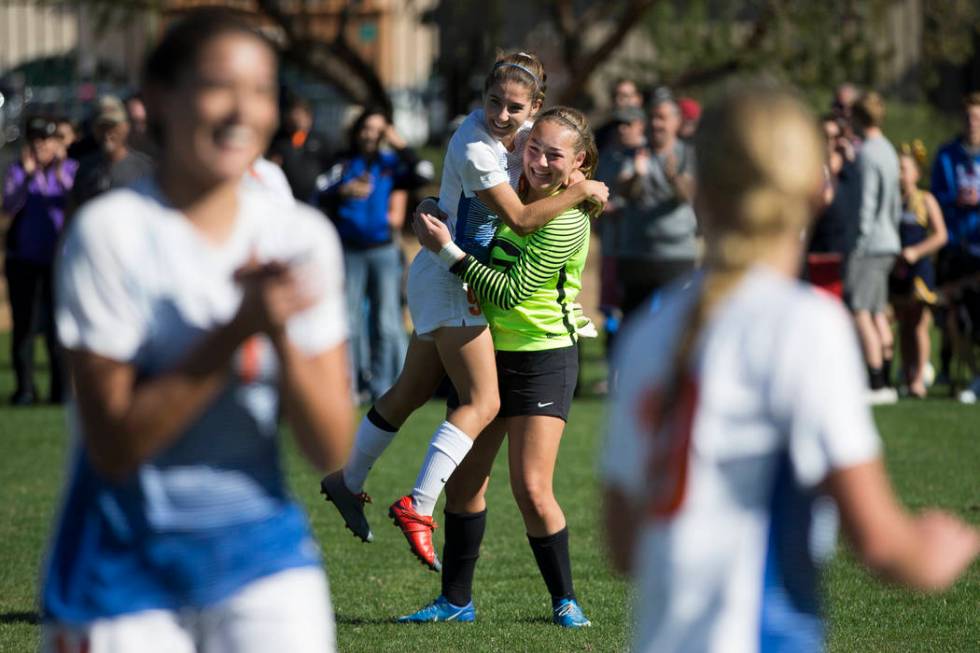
{"x": 628, "y": 115}
{"x": 40, "y": 127}
{"x": 690, "y": 109}
{"x": 110, "y": 111}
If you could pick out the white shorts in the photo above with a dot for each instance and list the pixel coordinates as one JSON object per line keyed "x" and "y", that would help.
{"x": 288, "y": 611}
{"x": 437, "y": 298}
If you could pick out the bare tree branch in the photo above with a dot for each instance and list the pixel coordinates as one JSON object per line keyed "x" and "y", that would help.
{"x": 335, "y": 61}
{"x": 707, "y": 74}
{"x": 581, "y": 69}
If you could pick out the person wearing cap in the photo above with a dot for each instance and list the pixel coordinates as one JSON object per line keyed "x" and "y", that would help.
{"x": 624, "y": 94}
{"x": 114, "y": 164}
{"x": 690, "y": 115}
{"x": 34, "y": 193}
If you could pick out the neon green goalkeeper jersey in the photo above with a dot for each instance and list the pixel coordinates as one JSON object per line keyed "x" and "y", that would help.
{"x": 528, "y": 288}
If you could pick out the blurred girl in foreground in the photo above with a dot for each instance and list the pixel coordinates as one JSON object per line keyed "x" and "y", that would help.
{"x": 191, "y": 306}
{"x": 728, "y": 448}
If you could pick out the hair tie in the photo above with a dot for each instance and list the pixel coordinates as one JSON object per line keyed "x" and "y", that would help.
{"x": 537, "y": 81}
{"x": 917, "y": 150}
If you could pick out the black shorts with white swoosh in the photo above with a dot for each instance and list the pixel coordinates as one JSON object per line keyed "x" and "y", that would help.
{"x": 533, "y": 382}
{"x": 537, "y": 382}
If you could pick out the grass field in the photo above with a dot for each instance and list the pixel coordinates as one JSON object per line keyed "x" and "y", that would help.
{"x": 932, "y": 450}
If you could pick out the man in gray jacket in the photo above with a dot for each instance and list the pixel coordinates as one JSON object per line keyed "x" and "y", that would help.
{"x": 877, "y": 205}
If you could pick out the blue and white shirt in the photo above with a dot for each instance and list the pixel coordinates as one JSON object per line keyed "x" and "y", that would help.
{"x": 476, "y": 161}
{"x": 138, "y": 284}
{"x": 735, "y": 527}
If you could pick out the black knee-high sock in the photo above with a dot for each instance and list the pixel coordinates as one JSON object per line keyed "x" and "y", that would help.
{"x": 886, "y": 371}
{"x": 551, "y": 554}
{"x": 464, "y": 534}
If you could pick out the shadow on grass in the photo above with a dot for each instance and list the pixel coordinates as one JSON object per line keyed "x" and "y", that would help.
{"x": 363, "y": 621}
{"x": 20, "y": 618}
{"x": 534, "y": 620}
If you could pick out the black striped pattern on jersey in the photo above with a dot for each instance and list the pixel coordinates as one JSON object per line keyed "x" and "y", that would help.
{"x": 544, "y": 255}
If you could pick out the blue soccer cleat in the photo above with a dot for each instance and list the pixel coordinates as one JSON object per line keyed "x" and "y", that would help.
{"x": 567, "y": 613}
{"x": 441, "y": 610}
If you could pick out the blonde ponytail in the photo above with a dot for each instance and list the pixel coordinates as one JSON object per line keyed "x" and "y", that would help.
{"x": 759, "y": 167}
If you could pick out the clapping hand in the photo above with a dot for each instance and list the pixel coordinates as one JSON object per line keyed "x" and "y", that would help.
{"x": 272, "y": 293}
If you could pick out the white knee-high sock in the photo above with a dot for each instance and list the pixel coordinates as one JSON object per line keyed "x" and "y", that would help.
{"x": 447, "y": 448}
{"x": 370, "y": 442}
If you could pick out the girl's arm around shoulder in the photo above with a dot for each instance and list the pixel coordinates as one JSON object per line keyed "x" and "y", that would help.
{"x": 524, "y": 219}
{"x": 547, "y": 250}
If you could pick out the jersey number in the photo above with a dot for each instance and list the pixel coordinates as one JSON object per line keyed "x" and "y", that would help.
{"x": 670, "y": 452}
{"x": 473, "y": 301}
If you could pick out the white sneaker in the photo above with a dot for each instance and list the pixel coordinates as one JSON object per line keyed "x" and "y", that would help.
{"x": 969, "y": 396}
{"x": 882, "y": 396}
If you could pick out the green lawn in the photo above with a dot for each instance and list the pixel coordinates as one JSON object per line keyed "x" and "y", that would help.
{"x": 932, "y": 449}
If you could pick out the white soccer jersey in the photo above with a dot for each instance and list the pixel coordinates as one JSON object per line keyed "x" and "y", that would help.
{"x": 269, "y": 176}
{"x": 475, "y": 161}
{"x": 734, "y": 525}
{"x": 137, "y": 283}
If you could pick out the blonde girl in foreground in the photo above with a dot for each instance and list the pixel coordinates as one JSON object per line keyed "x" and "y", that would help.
{"x": 728, "y": 449}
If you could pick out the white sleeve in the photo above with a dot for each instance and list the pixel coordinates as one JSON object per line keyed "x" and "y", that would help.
{"x": 625, "y": 452}
{"x": 819, "y": 394}
{"x": 324, "y": 325}
{"x": 481, "y": 168}
{"x": 96, "y": 306}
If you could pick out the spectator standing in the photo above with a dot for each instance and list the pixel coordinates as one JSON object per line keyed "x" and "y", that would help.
{"x": 365, "y": 194}
{"x": 115, "y": 164}
{"x": 302, "y": 152}
{"x": 876, "y": 207}
{"x": 615, "y": 170}
{"x": 658, "y": 226}
{"x": 829, "y": 231}
{"x": 34, "y": 193}
{"x": 922, "y": 232}
{"x": 956, "y": 185}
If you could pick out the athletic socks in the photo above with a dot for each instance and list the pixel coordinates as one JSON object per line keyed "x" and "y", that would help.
{"x": 464, "y": 534}
{"x": 551, "y": 554}
{"x": 447, "y": 448}
{"x": 886, "y": 371}
{"x": 876, "y": 376}
{"x": 374, "y": 434}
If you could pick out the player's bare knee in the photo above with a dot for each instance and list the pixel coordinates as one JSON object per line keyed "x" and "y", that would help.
{"x": 533, "y": 497}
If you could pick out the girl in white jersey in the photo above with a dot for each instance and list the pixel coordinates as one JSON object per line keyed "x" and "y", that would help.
{"x": 727, "y": 448}
{"x": 482, "y": 167}
{"x": 192, "y": 306}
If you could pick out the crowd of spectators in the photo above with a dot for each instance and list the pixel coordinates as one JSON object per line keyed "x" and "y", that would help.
{"x": 364, "y": 189}
{"x": 880, "y": 241}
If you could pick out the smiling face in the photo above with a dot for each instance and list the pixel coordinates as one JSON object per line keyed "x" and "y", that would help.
{"x": 508, "y": 105}
{"x": 219, "y": 115}
{"x": 550, "y": 156}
